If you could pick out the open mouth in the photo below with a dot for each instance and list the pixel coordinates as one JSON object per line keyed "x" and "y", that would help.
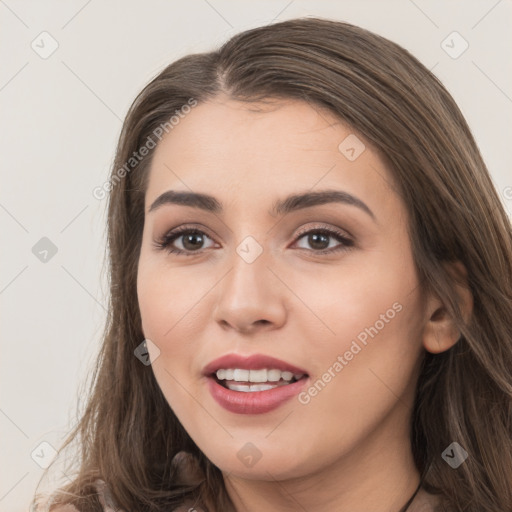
{"x": 250, "y": 381}
{"x": 254, "y": 384}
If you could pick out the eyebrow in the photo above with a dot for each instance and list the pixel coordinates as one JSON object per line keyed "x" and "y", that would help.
{"x": 291, "y": 203}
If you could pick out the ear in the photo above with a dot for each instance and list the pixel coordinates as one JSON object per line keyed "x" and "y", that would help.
{"x": 440, "y": 331}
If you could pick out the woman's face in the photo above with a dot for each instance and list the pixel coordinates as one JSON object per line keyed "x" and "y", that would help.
{"x": 325, "y": 287}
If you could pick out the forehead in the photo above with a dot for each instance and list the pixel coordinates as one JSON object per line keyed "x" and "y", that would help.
{"x": 275, "y": 126}
{"x": 246, "y": 152}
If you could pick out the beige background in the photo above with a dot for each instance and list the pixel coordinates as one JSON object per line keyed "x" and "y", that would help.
{"x": 61, "y": 117}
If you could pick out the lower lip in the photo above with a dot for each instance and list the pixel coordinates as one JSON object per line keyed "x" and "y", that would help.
{"x": 253, "y": 402}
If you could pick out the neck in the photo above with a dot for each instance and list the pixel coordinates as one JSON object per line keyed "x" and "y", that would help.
{"x": 380, "y": 475}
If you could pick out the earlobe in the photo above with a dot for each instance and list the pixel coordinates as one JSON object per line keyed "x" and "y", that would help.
{"x": 440, "y": 331}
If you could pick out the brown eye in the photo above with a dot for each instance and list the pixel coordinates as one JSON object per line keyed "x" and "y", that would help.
{"x": 319, "y": 240}
{"x": 191, "y": 241}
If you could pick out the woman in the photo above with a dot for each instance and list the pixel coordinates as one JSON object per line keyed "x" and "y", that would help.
{"x": 310, "y": 290}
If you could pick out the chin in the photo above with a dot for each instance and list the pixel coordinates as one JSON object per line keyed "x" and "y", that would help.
{"x": 262, "y": 460}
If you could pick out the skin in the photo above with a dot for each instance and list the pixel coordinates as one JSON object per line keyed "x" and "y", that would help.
{"x": 348, "y": 448}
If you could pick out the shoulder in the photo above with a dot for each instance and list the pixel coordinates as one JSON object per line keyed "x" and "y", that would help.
{"x": 188, "y": 474}
{"x": 102, "y": 494}
{"x": 48, "y": 505}
{"x": 426, "y": 502}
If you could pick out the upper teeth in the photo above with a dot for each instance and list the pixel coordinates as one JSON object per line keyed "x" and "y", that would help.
{"x": 256, "y": 375}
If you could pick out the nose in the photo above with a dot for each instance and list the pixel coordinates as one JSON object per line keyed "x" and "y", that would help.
{"x": 250, "y": 297}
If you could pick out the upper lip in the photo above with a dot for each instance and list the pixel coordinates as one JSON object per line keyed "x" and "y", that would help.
{"x": 252, "y": 362}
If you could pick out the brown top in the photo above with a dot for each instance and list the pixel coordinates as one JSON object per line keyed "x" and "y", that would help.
{"x": 107, "y": 503}
{"x": 103, "y": 494}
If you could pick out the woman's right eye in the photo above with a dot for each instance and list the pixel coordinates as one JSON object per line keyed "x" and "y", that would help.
{"x": 191, "y": 241}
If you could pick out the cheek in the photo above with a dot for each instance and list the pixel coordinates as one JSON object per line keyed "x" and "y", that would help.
{"x": 369, "y": 296}
{"x": 164, "y": 304}
{"x": 370, "y": 351}
{"x": 166, "y": 298}
{"x": 152, "y": 296}
{"x": 372, "y": 365}
{"x": 173, "y": 308}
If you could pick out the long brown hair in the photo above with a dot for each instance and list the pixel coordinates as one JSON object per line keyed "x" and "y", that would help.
{"x": 128, "y": 434}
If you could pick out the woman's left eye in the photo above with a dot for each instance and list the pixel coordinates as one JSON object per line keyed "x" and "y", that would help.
{"x": 320, "y": 236}
{"x": 192, "y": 238}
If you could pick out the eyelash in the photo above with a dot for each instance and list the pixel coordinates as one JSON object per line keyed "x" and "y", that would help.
{"x": 165, "y": 242}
